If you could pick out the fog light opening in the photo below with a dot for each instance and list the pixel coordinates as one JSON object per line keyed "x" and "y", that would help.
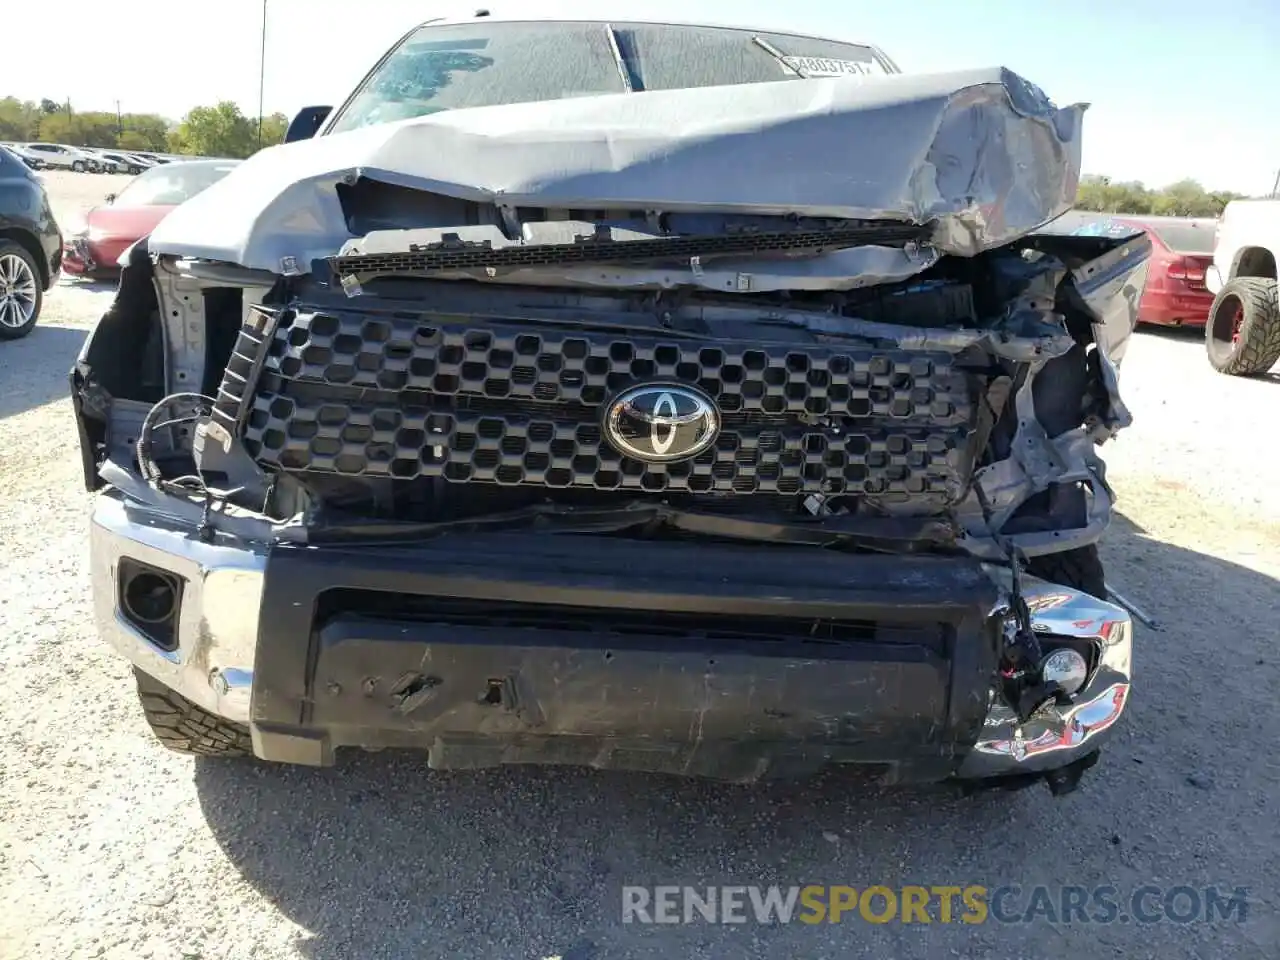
{"x": 151, "y": 600}
{"x": 1067, "y": 668}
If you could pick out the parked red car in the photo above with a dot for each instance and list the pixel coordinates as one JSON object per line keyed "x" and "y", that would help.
{"x": 1181, "y": 249}
{"x": 94, "y": 247}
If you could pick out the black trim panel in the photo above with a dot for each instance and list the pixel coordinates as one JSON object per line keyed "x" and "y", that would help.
{"x": 897, "y": 671}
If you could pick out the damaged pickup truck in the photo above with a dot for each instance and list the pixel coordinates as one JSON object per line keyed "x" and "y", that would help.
{"x": 648, "y": 396}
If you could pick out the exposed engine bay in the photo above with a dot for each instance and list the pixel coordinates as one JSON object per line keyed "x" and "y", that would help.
{"x": 905, "y": 364}
{"x": 930, "y": 413}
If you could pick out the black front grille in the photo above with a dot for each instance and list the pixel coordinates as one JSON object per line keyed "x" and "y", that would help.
{"x": 350, "y": 393}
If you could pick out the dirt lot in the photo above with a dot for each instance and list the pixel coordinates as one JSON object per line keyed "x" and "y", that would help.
{"x": 112, "y": 847}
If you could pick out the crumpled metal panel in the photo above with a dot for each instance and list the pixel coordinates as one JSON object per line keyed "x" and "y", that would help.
{"x": 982, "y": 155}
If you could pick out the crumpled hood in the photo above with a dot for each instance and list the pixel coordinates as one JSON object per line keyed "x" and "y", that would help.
{"x": 982, "y": 154}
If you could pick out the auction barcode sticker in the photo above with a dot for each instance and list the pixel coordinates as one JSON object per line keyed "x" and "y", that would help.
{"x": 824, "y": 67}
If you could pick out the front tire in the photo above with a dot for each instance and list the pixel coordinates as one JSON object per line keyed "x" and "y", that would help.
{"x": 1080, "y": 569}
{"x": 184, "y": 727}
{"x": 21, "y": 291}
{"x": 78, "y": 166}
{"x": 1242, "y": 334}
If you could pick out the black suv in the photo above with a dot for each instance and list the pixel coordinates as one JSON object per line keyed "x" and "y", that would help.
{"x": 30, "y": 247}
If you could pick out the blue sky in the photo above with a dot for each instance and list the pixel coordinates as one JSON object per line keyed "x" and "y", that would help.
{"x": 1177, "y": 88}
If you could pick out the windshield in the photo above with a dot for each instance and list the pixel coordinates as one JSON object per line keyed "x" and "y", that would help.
{"x": 171, "y": 184}
{"x": 458, "y": 66}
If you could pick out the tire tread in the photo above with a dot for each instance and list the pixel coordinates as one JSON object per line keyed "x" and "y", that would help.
{"x": 1081, "y": 569}
{"x": 1259, "y": 347}
{"x": 184, "y": 727}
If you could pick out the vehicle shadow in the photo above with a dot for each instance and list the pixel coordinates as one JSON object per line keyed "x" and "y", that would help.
{"x": 94, "y": 284}
{"x": 34, "y": 370}
{"x": 381, "y": 856}
{"x": 1193, "y": 338}
{"x": 1176, "y": 334}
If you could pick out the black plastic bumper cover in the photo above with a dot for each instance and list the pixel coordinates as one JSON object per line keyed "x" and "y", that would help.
{"x": 729, "y": 662}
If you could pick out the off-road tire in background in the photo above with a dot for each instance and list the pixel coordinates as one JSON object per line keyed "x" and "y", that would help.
{"x": 1080, "y": 569}
{"x": 186, "y": 728}
{"x": 1256, "y": 303}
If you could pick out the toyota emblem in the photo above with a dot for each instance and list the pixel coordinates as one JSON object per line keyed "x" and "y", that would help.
{"x": 661, "y": 422}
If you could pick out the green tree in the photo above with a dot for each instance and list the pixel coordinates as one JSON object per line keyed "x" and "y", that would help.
{"x": 151, "y": 128}
{"x": 274, "y": 128}
{"x": 1222, "y": 197}
{"x": 18, "y": 119}
{"x": 57, "y": 128}
{"x": 50, "y": 122}
{"x": 1106, "y": 196}
{"x": 1186, "y": 198}
{"x": 95, "y": 128}
{"x": 218, "y": 131}
{"x": 133, "y": 140}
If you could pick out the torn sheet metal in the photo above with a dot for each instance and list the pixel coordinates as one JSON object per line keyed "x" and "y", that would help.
{"x": 982, "y": 155}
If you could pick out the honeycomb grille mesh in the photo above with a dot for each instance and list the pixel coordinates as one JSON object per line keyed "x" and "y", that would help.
{"x": 350, "y": 393}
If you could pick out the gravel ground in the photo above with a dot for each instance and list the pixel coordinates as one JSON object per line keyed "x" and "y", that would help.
{"x": 112, "y": 847}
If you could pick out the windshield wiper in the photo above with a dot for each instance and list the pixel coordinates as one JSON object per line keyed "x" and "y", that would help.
{"x": 781, "y": 57}
{"x": 624, "y": 70}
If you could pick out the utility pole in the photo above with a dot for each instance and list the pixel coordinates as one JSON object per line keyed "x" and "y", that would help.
{"x": 71, "y": 134}
{"x": 119, "y": 122}
{"x": 262, "y": 71}
{"x": 1275, "y": 187}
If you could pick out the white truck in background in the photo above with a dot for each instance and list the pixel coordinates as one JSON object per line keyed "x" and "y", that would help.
{"x": 1242, "y": 333}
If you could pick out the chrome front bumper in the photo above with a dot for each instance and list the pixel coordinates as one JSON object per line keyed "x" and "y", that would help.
{"x": 218, "y": 619}
{"x": 218, "y": 634}
{"x": 1058, "y": 735}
